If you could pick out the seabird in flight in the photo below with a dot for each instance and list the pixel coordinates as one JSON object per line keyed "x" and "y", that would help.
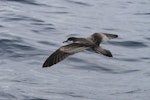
{"x": 79, "y": 44}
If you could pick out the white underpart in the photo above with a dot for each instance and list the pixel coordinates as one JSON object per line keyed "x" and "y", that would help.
{"x": 105, "y": 38}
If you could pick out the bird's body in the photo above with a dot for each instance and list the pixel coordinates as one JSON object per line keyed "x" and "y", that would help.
{"x": 80, "y": 44}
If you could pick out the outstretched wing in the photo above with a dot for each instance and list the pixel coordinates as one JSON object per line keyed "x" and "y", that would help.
{"x": 64, "y": 52}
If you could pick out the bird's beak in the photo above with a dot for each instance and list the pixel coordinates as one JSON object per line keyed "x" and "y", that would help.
{"x": 65, "y": 41}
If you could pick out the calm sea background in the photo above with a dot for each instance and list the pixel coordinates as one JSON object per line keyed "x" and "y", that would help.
{"x": 30, "y": 30}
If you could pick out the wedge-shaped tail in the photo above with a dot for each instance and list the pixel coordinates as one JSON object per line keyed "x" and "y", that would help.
{"x": 102, "y": 51}
{"x": 111, "y": 36}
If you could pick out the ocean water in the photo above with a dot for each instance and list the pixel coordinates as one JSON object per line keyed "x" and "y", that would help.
{"x": 30, "y": 30}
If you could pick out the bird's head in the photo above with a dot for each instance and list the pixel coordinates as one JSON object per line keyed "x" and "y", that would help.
{"x": 70, "y": 39}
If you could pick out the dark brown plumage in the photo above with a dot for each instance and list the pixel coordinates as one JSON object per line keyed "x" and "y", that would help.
{"x": 80, "y": 44}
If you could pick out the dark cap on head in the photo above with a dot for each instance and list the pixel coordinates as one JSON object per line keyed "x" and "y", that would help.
{"x": 70, "y": 39}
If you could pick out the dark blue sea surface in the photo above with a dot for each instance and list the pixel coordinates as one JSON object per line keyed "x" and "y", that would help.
{"x": 31, "y": 30}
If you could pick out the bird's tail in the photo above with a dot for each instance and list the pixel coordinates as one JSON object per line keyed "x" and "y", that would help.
{"x": 102, "y": 51}
{"x": 111, "y": 36}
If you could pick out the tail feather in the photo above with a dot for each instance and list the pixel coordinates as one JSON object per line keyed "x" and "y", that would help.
{"x": 111, "y": 36}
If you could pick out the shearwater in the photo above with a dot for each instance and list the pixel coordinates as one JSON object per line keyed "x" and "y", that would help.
{"x": 79, "y": 44}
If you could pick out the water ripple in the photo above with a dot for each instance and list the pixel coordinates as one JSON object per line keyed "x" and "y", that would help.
{"x": 71, "y": 94}
{"x": 21, "y": 18}
{"x": 79, "y": 3}
{"x": 10, "y": 44}
{"x": 104, "y": 69}
{"x": 1, "y": 26}
{"x": 41, "y": 24}
{"x": 36, "y": 99}
{"x": 59, "y": 12}
{"x": 141, "y": 13}
{"x": 33, "y": 98}
{"x": 4, "y": 95}
{"x": 11, "y": 48}
{"x": 128, "y": 92}
{"x": 48, "y": 43}
{"x": 31, "y": 2}
{"x": 129, "y": 44}
{"x": 128, "y": 59}
{"x": 145, "y": 58}
{"x": 147, "y": 38}
{"x": 74, "y": 59}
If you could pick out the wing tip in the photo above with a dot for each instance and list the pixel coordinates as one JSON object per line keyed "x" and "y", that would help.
{"x": 116, "y": 36}
{"x": 45, "y": 66}
{"x": 109, "y": 55}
